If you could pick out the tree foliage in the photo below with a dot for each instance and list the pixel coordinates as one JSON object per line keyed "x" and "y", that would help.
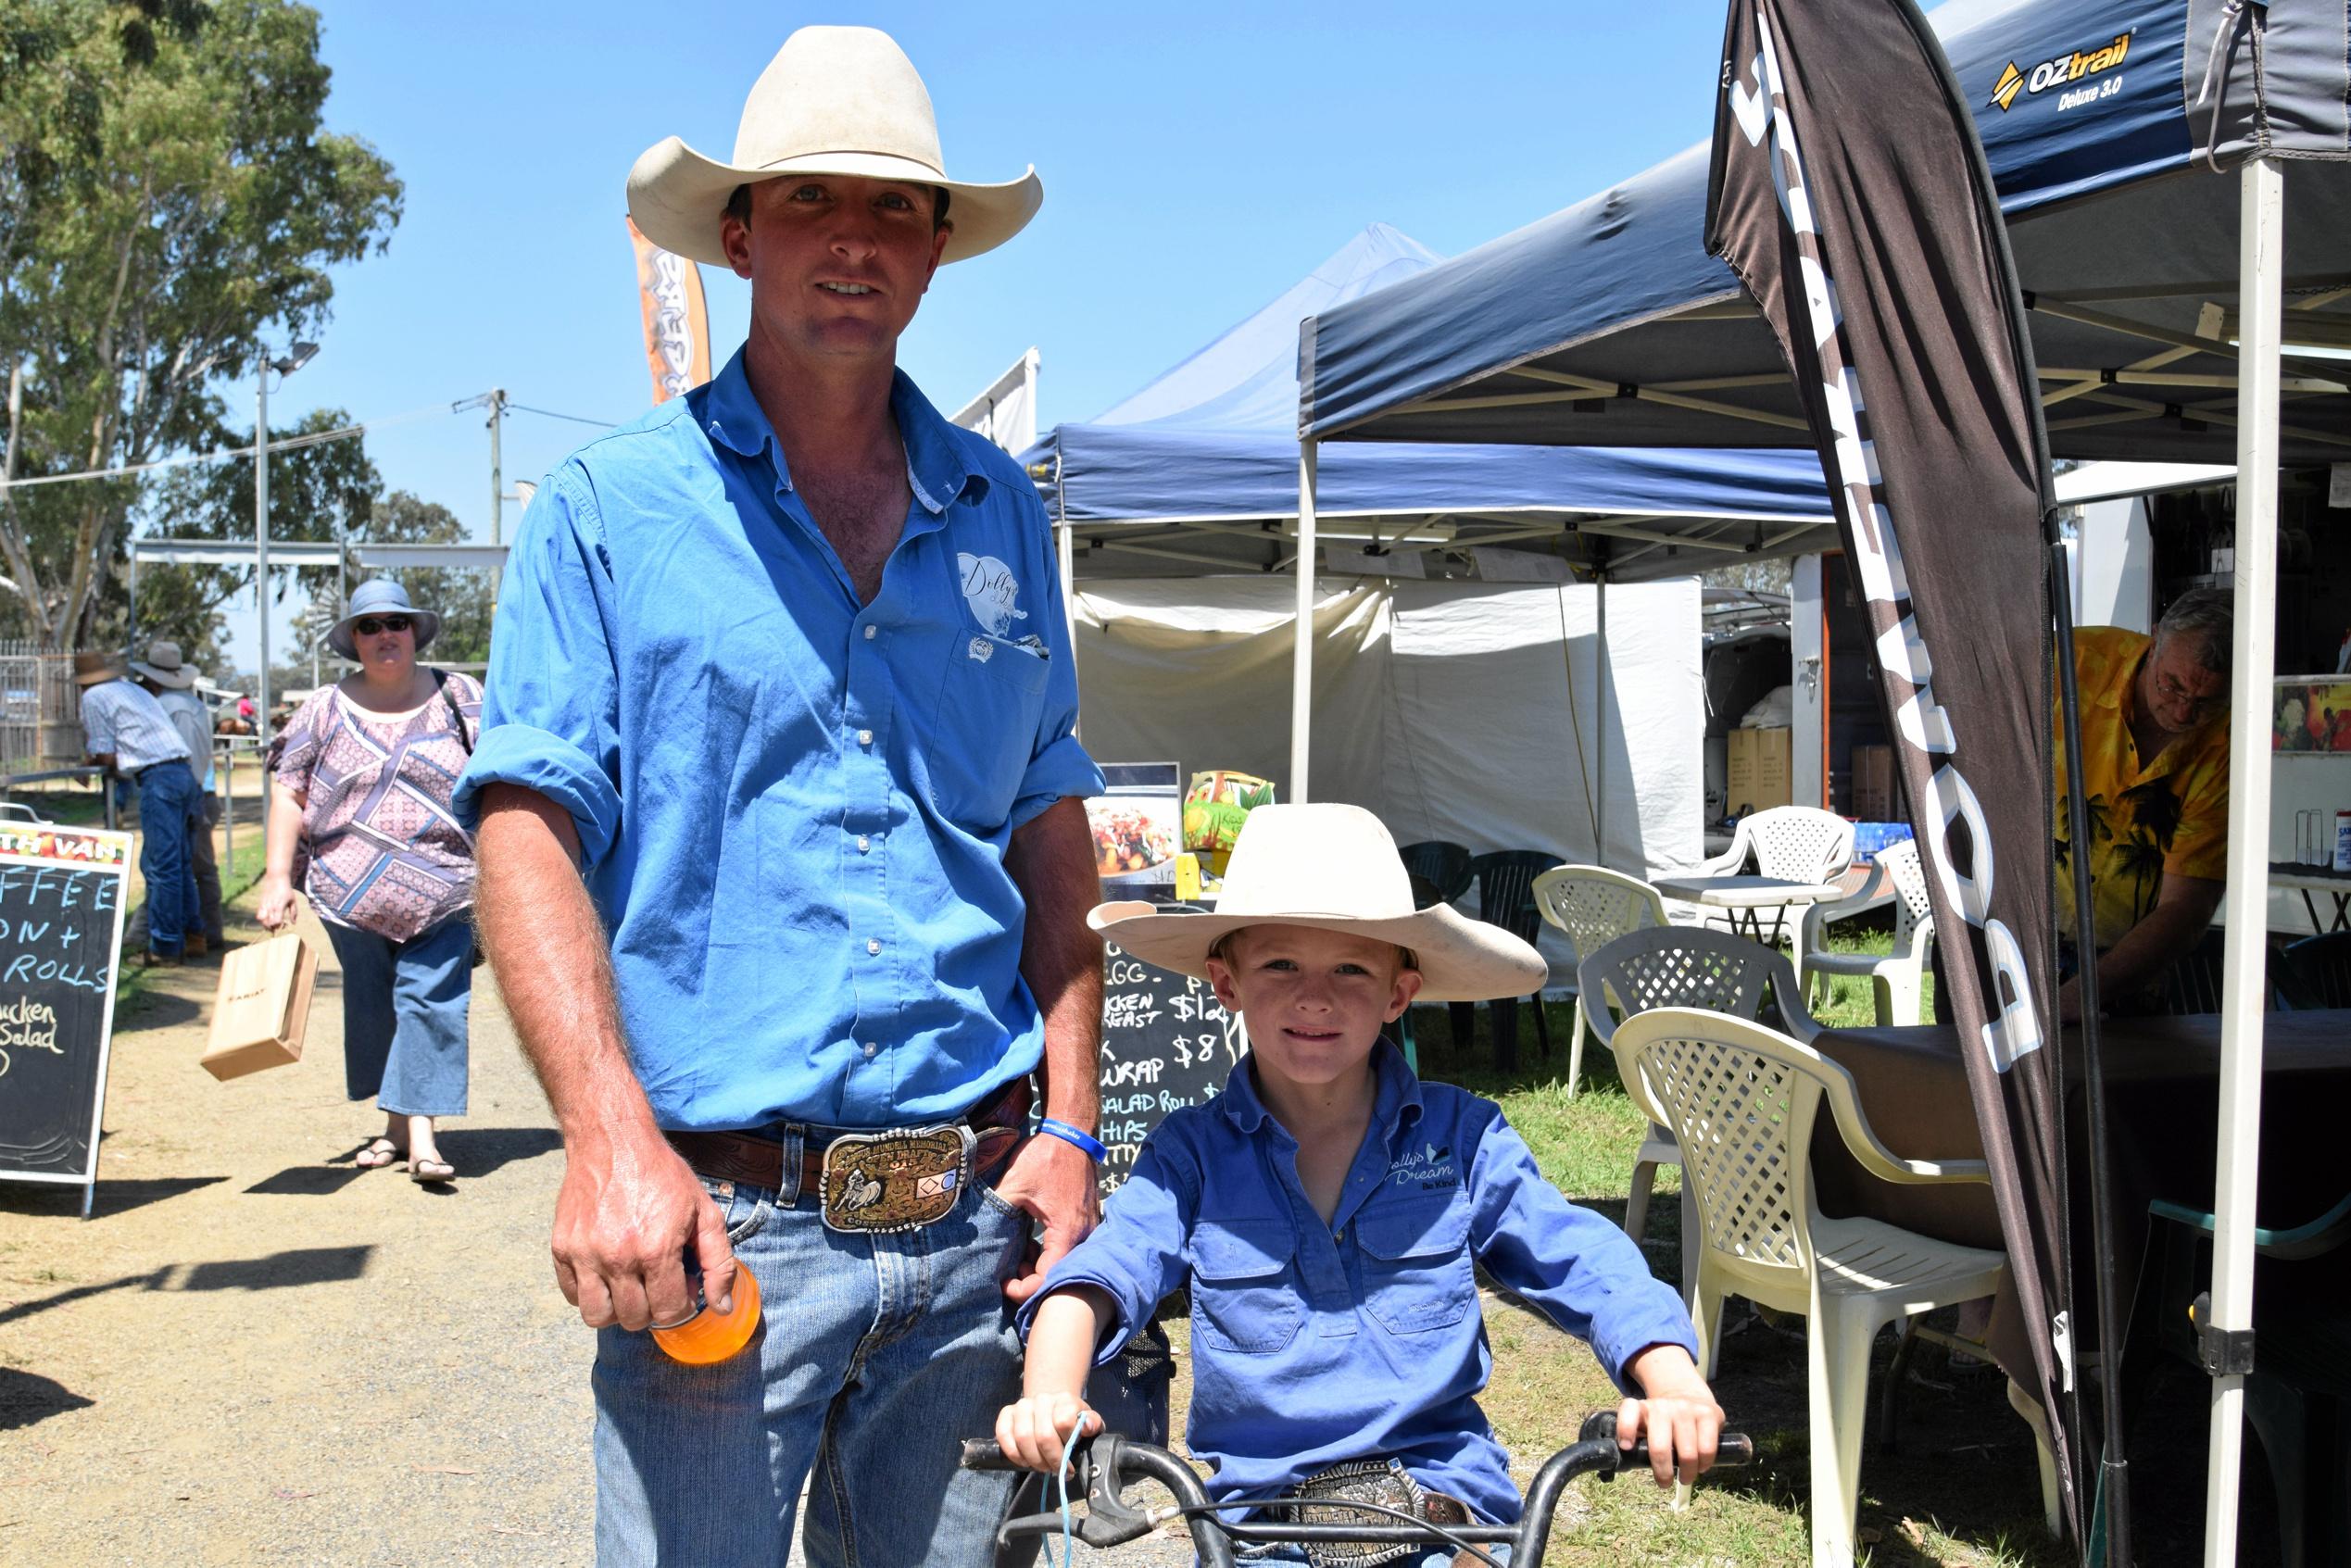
{"x": 170, "y": 205}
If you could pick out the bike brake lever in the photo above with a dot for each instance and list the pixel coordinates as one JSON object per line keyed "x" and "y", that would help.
{"x": 1109, "y": 1520}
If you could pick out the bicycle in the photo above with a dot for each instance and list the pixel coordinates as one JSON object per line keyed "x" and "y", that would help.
{"x": 1105, "y": 1466}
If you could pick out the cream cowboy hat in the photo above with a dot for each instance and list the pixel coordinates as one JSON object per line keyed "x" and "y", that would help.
{"x": 834, "y": 100}
{"x": 1333, "y": 867}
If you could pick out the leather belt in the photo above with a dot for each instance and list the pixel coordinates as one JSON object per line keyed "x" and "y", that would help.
{"x": 998, "y": 1124}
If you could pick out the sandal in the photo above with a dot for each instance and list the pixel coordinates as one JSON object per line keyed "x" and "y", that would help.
{"x": 377, "y": 1154}
{"x": 428, "y": 1168}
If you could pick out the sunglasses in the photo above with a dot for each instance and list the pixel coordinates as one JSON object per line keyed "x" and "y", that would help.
{"x": 369, "y": 625}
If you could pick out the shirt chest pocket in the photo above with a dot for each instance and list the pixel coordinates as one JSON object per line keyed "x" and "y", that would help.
{"x": 1243, "y": 1299}
{"x": 1416, "y": 1267}
{"x": 991, "y": 698}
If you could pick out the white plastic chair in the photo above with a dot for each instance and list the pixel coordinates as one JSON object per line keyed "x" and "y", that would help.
{"x": 1896, "y": 877}
{"x": 1592, "y": 905}
{"x": 1794, "y": 843}
{"x": 1685, "y": 967}
{"x": 1742, "y": 1101}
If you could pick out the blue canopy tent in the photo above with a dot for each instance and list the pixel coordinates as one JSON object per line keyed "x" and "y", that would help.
{"x": 2176, "y": 315}
{"x": 1199, "y": 468}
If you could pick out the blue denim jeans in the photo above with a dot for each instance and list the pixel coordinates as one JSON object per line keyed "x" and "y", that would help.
{"x": 405, "y": 1007}
{"x": 874, "y": 1357}
{"x": 171, "y": 810}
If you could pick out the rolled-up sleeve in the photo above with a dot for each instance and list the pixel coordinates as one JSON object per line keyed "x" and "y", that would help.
{"x": 551, "y": 710}
{"x": 1135, "y": 1257}
{"x": 1580, "y": 1270}
{"x": 1058, "y": 767}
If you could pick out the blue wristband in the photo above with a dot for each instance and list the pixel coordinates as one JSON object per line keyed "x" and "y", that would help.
{"x": 1069, "y": 1134}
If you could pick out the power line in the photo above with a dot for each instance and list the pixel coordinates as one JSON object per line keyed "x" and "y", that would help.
{"x": 551, "y": 414}
{"x": 287, "y": 444}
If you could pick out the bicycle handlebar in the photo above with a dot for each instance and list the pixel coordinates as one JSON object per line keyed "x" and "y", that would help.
{"x": 1103, "y": 1466}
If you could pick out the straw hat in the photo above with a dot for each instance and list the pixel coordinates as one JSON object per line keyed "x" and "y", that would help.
{"x": 380, "y": 596}
{"x": 1335, "y": 868}
{"x": 834, "y": 100}
{"x": 89, "y": 669}
{"x": 163, "y": 666}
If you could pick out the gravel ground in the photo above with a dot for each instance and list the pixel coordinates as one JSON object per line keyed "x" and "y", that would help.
{"x": 257, "y": 1353}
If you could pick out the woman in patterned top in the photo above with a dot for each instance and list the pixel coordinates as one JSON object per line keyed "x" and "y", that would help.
{"x": 363, "y": 779}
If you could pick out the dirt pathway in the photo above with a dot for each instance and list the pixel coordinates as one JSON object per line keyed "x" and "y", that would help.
{"x": 256, "y": 1352}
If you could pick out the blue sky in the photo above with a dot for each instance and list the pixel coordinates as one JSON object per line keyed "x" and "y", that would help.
{"x": 1197, "y": 160}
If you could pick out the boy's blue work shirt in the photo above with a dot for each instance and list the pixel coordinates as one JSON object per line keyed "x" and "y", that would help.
{"x": 793, "y": 808}
{"x": 1314, "y": 1344}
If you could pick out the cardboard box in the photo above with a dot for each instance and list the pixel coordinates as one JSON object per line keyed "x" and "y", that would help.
{"x": 262, "y": 1011}
{"x": 1873, "y": 790}
{"x": 1759, "y": 769}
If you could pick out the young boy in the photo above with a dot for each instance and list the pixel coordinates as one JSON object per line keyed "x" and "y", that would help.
{"x": 1328, "y": 1206}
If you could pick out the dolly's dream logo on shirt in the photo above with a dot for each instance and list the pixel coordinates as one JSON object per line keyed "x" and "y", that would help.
{"x": 991, "y": 590}
{"x": 1430, "y": 1169}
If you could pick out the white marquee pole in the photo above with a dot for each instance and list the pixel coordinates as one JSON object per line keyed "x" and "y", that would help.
{"x": 2261, "y": 238}
{"x": 1302, "y": 683}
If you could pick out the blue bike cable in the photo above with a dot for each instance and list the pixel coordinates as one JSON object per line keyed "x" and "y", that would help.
{"x": 1061, "y": 1479}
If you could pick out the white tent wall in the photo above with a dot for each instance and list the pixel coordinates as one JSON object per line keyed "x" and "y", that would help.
{"x": 1473, "y": 712}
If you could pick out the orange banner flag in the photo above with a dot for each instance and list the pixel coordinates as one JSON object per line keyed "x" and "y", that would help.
{"x": 677, "y": 329}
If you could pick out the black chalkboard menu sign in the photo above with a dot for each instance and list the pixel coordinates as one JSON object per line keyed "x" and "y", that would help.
{"x": 61, "y": 896}
{"x": 1167, "y": 1042}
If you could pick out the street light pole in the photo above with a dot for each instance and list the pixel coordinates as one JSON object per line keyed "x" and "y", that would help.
{"x": 299, "y": 356}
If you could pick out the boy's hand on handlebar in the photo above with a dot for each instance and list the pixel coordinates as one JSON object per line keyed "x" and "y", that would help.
{"x": 1678, "y": 1416}
{"x": 1034, "y": 1432}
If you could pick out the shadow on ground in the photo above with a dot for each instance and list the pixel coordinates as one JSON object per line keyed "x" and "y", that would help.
{"x": 27, "y": 1398}
{"x": 117, "y": 1196}
{"x": 477, "y": 1151}
{"x": 298, "y": 1266}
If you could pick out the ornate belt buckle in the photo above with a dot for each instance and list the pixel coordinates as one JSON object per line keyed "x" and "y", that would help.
{"x": 900, "y": 1180}
{"x": 1372, "y": 1481}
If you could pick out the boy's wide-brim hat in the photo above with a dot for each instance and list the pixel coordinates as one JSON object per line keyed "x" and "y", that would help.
{"x": 381, "y": 596}
{"x": 1334, "y": 866}
{"x": 834, "y": 100}
{"x": 164, "y": 666}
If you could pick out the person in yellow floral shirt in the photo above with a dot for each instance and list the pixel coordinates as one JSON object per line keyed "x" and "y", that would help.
{"x": 2154, "y": 757}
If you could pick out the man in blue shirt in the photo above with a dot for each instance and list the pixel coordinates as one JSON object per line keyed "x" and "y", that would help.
{"x": 1329, "y": 1208}
{"x": 127, "y": 733}
{"x": 785, "y": 868}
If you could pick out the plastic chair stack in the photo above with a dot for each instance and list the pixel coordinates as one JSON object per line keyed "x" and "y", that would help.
{"x": 1593, "y": 906}
{"x": 1742, "y": 1101}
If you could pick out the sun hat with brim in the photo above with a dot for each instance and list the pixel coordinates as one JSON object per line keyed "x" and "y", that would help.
{"x": 1335, "y": 868}
{"x": 163, "y": 665}
{"x": 381, "y": 596}
{"x": 89, "y": 669}
{"x": 834, "y": 100}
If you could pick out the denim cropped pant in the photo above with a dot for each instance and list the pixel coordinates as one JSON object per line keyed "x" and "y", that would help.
{"x": 404, "y": 1016}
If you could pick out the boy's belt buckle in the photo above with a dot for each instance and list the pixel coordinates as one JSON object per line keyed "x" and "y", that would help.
{"x": 1384, "y": 1481}
{"x": 900, "y": 1180}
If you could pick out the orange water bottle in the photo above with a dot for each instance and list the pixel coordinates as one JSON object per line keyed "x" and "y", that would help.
{"x": 711, "y": 1335}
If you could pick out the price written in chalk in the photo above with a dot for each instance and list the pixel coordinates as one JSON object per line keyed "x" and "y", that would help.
{"x": 1167, "y": 1043}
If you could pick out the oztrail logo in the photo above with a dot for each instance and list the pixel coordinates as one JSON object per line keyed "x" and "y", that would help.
{"x": 2061, "y": 71}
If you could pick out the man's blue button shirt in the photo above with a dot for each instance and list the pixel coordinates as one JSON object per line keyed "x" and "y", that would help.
{"x": 793, "y": 808}
{"x": 1313, "y": 1345}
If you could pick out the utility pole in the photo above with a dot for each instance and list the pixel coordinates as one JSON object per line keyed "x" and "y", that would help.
{"x": 299, "y": 356}
{"x": 495, "y": 401}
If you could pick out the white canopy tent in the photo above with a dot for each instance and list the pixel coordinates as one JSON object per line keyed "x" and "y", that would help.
{"x": 1480, "y": 713}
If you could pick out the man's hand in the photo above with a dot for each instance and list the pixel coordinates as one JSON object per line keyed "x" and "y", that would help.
{"x": 1055, "y": 1183}
{"x": 1679, "y": 1416}
{"x": 628, "y": 1210}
